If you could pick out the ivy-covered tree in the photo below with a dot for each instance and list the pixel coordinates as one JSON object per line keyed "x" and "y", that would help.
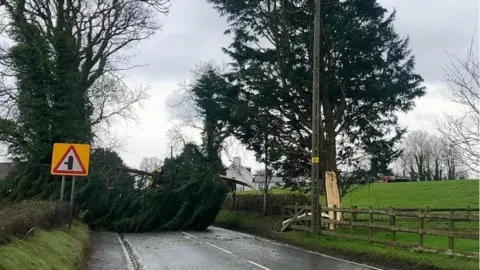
{"x": 65, "y": 63}
{"x": 367, "y": 76}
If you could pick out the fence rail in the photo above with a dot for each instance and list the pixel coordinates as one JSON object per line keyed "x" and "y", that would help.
{"x": 397, "y": 219}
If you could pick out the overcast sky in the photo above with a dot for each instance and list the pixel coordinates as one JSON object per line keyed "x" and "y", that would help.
{"x": 193, "y": 32}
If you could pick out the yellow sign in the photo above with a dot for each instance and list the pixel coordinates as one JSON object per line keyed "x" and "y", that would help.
{"x": 70, "y": 159}
{"x": 315, "y": 160}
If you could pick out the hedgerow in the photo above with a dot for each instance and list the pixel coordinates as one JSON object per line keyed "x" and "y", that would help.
{"x": 17, "y": 219}
{"x": 254, "y": 202}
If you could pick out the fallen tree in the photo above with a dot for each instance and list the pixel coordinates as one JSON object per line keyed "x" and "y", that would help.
{"x": 189, "y": 197}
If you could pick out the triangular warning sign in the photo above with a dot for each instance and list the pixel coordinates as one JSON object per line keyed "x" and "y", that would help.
{"x": 70, "y": 163}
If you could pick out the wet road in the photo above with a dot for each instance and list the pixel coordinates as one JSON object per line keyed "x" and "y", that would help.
{"x": 213, "y": 249}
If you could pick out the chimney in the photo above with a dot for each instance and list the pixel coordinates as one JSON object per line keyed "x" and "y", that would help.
{"x": 237, "y": 161}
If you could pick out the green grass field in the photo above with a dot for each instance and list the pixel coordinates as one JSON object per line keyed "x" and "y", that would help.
{"x": 435, "y": 194}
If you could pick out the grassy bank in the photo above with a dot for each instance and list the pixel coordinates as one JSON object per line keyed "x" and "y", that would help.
{"x": 60, "y": 249}
{"x": 17, "y": 219}
{"x": 378, "y": 255}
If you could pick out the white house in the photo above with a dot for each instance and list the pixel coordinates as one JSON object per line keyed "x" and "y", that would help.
{"x": 244, "y": 174}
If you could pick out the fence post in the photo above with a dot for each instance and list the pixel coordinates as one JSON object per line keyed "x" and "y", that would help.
{"x": 451, "y": 226}
{"x": 393, "y": 226}
{"x": 351, "y": 222}
{"x": 370, "y": 222}
{"x": 421, "y": 226}
{"x": 296, "y": 208}
{"x": 320, "y": 218}
{"x": 354, "y": 216}
{"x": 305, "y": 220}
{"x": 333, "y": 225}
{"x": 469, "y": 219}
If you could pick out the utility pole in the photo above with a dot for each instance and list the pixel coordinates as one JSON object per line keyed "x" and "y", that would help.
{"x": 316, "y": 120}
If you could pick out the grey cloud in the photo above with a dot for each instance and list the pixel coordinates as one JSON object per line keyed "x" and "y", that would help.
{"x": 436, "y": 27}
{"x": 191, "y": 33}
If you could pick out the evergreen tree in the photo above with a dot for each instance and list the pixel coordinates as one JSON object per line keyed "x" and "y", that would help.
{"x": 213, "y": 96}
{"x": 366, "y": 77}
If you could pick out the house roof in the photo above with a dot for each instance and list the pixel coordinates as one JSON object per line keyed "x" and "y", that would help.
{"x": 4, "y": 169}
{"x": 236, "y": 181}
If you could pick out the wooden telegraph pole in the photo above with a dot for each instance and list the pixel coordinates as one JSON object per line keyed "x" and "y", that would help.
{"x": 316, "y": 121}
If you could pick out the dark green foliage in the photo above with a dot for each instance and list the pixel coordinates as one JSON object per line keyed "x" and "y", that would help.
{"x": 276, "y": 202}
{"x": 193, "y": 206}
{"x": 191, "y": 199}
{"x": 367, "y": 76}
{"x": 214, "y": 99}
{"x": 100, "y": 190}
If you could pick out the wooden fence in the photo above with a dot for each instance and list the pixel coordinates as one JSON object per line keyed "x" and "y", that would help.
{"x": 395, "y": 220}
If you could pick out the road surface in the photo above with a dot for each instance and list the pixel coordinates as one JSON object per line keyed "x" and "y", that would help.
{"x": 213, "y": 249}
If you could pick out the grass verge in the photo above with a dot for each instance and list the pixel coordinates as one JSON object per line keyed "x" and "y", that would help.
{"x": 372, "y": 254}
{"x": 61, "y": 249}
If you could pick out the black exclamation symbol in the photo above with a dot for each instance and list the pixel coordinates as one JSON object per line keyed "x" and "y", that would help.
{"x": 69, "y": 163}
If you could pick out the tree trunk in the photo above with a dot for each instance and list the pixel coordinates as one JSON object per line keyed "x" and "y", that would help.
{"x": 330, "y": 158}
{"x": 265, "y": 186}
{"x": 233, "y": 188}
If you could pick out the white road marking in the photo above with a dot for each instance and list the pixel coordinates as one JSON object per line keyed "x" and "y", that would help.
{"x": 229, "y": 252}
{"x": 259, "y": 265}
{"x": 136, "y": 256}
{"x": 125, "y": 253}
{"x": 224, "y": 250}
{"x": 312, "y": 252}
{"x": 193, "y": 236}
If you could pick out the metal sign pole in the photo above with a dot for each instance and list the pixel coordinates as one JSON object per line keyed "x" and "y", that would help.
{"x": 72, "y": 199}
{"x": 62, "y": 190}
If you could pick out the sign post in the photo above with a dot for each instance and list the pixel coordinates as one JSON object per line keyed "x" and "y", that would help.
{"x": 72, "y": 199}
{"x": 62, "y": 190}
{"x": 70, "y": 160}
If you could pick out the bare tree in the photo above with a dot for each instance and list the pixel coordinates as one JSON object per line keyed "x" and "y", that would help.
{"x": 150, "y": 164}
{"x": 451, "y": 159}
{"x": 403, "y": 164}
{"x": 429, "y": 157}
{"x": 462, "y": 130}
{"x": 436, "y": 158}
{"x": 100, "y": 33}
{"x": 417, "y": 148}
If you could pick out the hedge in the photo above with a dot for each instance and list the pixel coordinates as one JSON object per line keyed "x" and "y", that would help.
{"x": 17, "y": 219}
{"x": 276, "y": 202}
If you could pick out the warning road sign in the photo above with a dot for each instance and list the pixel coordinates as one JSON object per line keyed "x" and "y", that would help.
{"x": 70, "y": 159}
